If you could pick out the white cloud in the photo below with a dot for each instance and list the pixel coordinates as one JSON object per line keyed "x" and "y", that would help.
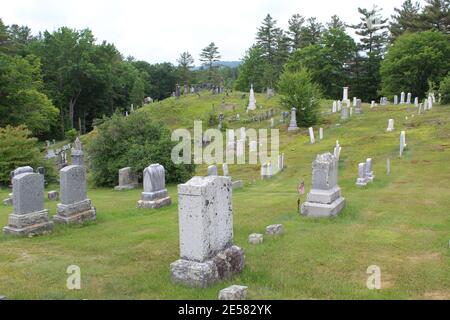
{"x": 158, "y": 31}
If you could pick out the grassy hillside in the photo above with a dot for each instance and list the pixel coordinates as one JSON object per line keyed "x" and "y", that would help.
{"x": 400, "y": 222}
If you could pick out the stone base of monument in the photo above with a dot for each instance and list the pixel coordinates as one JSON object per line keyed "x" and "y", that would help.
{"x": 30, "y": 224}
{"x": 361, "y": 182}
{"x": 370, "y": 178}
{"x": 154, "y": 200}
{"x": 293, "y": 129}
{"x": 321, "y": 210}
{"x": 125, "y": 187}
{"x": 203, "y": 274}
{"x": 76, "y": 213}
{"x": 238, "y": 184}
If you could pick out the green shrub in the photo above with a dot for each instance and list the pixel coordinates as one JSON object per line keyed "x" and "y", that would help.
{"x": 444, "y": 89}
{"x": 134, "y": 141}
{"x": 71, "y": 135}
{"x": 299, "y": 91}
{"x": 18, "y": 149}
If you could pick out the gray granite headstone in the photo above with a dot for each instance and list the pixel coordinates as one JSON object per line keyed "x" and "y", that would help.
{"x": 127, "y": 179}
{"x": 155, "y": 193}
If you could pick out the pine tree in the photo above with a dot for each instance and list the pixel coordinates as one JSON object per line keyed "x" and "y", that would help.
{"x": 436, "y": 15}
{"x": 185, "y": 63}
{"x": 311, "y": 33}
{"x": 209, "y": 55}
{"x": 294, "y": 31}
{"x": 407, "y": 18}
{"x": 336, "y": 23}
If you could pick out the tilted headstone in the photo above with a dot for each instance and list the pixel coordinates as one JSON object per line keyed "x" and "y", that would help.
{"x": 324, "y": 199}
{"x": 206, "y": 233}
{"x": 155, "y": 193}
{"x": 29, "y": 217}
{"x": 293, "y": 124}
{"x": 361, "y": 181}
{"x": 75, "y": 207}
{"x": 127, "y": 179}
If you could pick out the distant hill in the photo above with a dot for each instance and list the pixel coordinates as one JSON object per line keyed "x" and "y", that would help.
{"x": 226, "y": 64}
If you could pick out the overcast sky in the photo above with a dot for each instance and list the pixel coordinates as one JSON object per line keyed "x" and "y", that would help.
{"x": 158, "y": 31}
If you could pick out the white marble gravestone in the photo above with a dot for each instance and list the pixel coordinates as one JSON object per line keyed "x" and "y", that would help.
{"x": 252, "y": 100}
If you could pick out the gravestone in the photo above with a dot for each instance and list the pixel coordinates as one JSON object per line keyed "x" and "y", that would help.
{"x": 233, "y": 293}
{"x": 339, "y": 106}
{"x": 354, "y": 101}
{"x": 212, "y": 170}
{"x": 281, "y": 162}
{"x": 312, "y": 140}
{"x": 206, "y": 233}
{"x": 402, "y": 142}
{"x": 344, "y": 113}
{"x": 324, "y": 199}
{"x": 252, "y": 100}
{"x": 127, "y": 179}
{"x": 402, "y": 98}
{"x": 395, "y": 99}
{"x": 29, "y": 217}
{"x": 293, "y": 124}
{"x": 255, "y": 238}
{"x": 77, "y": 153}
{"x": 372, "y": 104}
{"x": 361, "y": 181}
{"x": 388, "y": 166}
{"x": 408, "y": 98}
{"x": 75, "y": 207}
{"x": 275, "y": 229}
{"x": 358, "y": 107}
{"x": 53, "y": 195}
{"x": 345, "y": 94}
{"x": 226, "y": 172}
{"x": 337, "y": 151}
{"x": 21, "y": 170}
{"x": 369, "y": 170}
{"x": 390, "y": 127}
{"x": 155, "y": 193}
{"x": 416, "y": 101}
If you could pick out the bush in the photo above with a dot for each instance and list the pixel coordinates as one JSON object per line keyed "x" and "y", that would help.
{"x": 71, "y": 135}
{"x": 134, "y": 141}
{"x": 444, "y": 89}
{"x": 299, "y": 91}
{"x": 18, "y": 149}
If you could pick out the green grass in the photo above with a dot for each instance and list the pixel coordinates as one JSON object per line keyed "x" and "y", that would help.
{"x": 400, "y": 222}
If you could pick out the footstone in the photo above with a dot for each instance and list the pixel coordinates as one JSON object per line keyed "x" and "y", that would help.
{"x": 324, "y": 199}
{"x": 212, "y": 170}
{"x": 155, "y": 193}
{"x": 8, "y": 202}
{"x": 361, "y": 181}
{"x": 238, "y": 184}
{"x": 29, "y": 217}
{"x": 369, "y": 170}
{"x": 53, "y": 195}
{"x": 75, "y": 207}
{"x": 255, "y": 238}
{"x": 3, "y": 298}
{"x": 233, "y": 293}
{"x": 275, "y": 229}
{"x": 127, "y": 179}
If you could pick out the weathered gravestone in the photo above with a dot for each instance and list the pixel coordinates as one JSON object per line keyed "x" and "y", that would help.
{"x": 324, "y": 199}
{"x": 77, "y": 153}
{"x": 212, "y": 170}
{"x": 29, "y": 217}
{"x": 358, "y": 107}
{"x": 369, "y": 170}
{"x": 155, "y": 193}
{"x": 127, "y": 179}
{"x": 293, "y": 124}
{"x": 233, "y": 292}
{"x": 75, "y": 207}
{"x": 344, "y": 113}
{"x": 206, "y": 233}
{"x": 252, "y": 100}
{"x": 361, "y": 181}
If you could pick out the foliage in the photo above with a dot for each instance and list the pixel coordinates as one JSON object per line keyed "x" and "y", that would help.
{"x": 299, "y": 91}
{"x": 413, "y": 61}
{"x": 21, "y": 98}
{"x": 251, "y": 71}
{"x": 134, "y": 141}
{"x": 185, "y": 64}
{"x": 71, "y": 135}
{"x": 18, "y": 149}
{"x": 444, "y": 89}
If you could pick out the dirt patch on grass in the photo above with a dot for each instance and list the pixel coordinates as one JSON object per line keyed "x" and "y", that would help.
{"x": 425, "y": 257}
{"x": 437, "y": 295}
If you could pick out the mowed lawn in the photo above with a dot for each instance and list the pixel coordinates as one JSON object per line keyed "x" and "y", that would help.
{"x": 400, "y": 223}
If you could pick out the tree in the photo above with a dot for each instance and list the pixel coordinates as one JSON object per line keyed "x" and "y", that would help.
{"x": 294, "y": 31}
{"x": 185, "y": 63}
{"x": 436, "y": 15}
{"x": 299, "y": 91}
{"x": 336, "y": 23}
{"x": 21, "y": 98}
{"x": 373, "y": 39}
{"x": 311, "y": 32}
{"x": 444, "y": 89}
{"x": 209, "y": 55}
{"x": 137, "y": 140}
{"x": 413, "y": 61}
{"x": 406, "y": 19}
{"x": 17, "y": 149}
{"x": 251, "y": 71}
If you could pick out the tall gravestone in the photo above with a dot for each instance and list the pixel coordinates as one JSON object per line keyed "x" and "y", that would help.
{"x": 207, "y": 253}
{"x": 127, "y": 179}
{"x": 75, "y": 207}
{"x": 77, "y": 153}
{"x": 324, "y": 199}
{"x": 252, "y": 100}
{"x": 344, "y": 113}
{"x": 293, "y": 124}
{"x": 358, "y": 107}
{"x": 155, "y": 193}
{"x": 29, "y": 217}
{"x": 361, "y": 181}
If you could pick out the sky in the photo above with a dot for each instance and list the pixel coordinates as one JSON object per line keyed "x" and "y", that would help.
{"x": 158, "y": 31}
